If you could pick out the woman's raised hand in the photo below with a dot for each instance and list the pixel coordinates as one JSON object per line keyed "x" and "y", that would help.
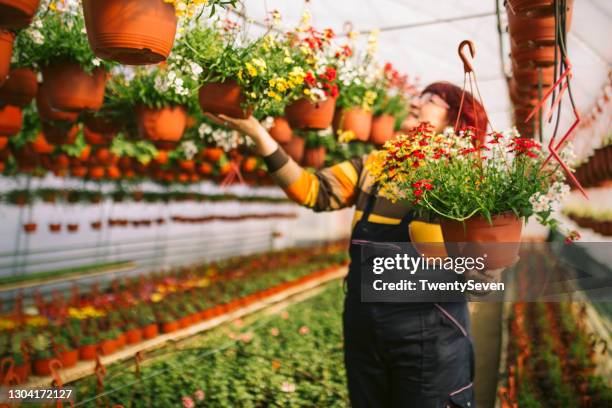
{"x": 264, "y": 144}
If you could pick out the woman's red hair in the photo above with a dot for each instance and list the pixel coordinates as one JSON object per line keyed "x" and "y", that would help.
{"x": 472, "y": 112}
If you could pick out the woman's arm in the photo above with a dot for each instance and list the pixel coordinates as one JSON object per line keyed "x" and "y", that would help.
{"x": 328, "y": 189}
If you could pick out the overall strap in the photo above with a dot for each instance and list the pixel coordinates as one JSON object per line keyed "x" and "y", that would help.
{"x": 371, "y": 201}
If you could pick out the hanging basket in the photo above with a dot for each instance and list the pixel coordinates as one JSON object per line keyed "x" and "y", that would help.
{"x": 223, "y": 98}
{"x": 530, "y": 78}
{"x": 11, "y": 120}
{"x": 60, "y": 133}
{"x": 281, "y": 131}
{"x": 16, "y": 14}
{"x": 314, "y": 157}
{"x": 356, "y": 120}
{"x": 132, "y": 32}
{"x": 532, "y": 57}
{"x": 295, "y": 148}
{"x": 46, "y": 112}
{"x": 304, "y": 114}
{"x": 383, "y": 128}
{"x": 534, "y": 8}
{"x": 71, "y": 89}
{"x": 6, "y": 51}
{"x": 476, "y": 237}
{"x": 19, "y": 88}
{"x": 165, "y": 125}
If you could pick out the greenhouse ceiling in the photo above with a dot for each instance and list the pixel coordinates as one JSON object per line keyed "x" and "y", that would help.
{"x": 421, "y": 38}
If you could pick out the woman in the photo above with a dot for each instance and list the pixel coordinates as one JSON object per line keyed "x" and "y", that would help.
{"x": 396, "y": 355}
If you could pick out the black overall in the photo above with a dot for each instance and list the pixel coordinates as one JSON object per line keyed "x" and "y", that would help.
{"x": 403, "y": 354}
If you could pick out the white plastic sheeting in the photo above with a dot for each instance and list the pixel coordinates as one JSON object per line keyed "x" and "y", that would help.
{"x": 429, "y": 51}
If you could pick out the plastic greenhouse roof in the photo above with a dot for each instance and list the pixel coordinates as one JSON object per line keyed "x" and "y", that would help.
{"x": 417, "y": 40}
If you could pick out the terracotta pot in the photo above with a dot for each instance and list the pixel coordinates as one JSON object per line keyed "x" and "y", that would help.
{"x": 531, "y": 31}
{"x": 304, "y": 114}
{"x": 96, "y": 172}
{"x": 295, "y": 148}
{"x": 170, "y": 327}
{"x": 72, "y": 227}
{"x": 281, "y": 131}
{"x": 184, "y": 322}
{"x": 357, "y": 120}
{"x": 223, "y": 98}
{"x": 314, "y": 157}
{"x": 531, "y": 57}
{"x": 88, "y": 352}
{"x": 101, "y": 124}
{"x": 69, "y": 358}
{"x": 22, "y": 372}
{"x": 42, "y": 367}
{"x": 19, "y": 88}
{"x": 46, "y": 112}
{"x": 166, "y": 124}
{"x": 6, "y": 52}
{"x": 133, "y": 336}
{"x": 150, "y": 331}
{"x": 482, "y": 238}
{"x": 30, "y": 227}
{"x": 212, "y": 154}
{"x": 16, "y": 14}
{"x": 383, "y": 127}
{"x": 71, "y": 89}
{"x": 3, "y": 142}
{"x": 11, "y": 120}
{"x": 108, "y": 346}
{"x": 533, "y": 8}
{"x": 97, "y": 139}
{"x": 60, "y": 133}
{"x": 132, "y": 32}
{"x": 529, "y": 78}
{"x": 55, "y": 228}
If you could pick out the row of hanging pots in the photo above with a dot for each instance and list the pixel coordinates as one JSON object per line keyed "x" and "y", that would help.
{"x": 603, "y": 227}
{"x": 531, "y": 25}
{"x": 598, "y": 169}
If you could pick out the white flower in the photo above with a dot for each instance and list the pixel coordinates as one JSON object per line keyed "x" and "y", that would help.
{"x": 189, "y": 148}
{"x": 196, "y": 69}
{"x": 268, "y": 122}
{"x": 287, "y": 387}
{"x": 204, "y": 129}
{"x": 96, "y": 62}
{"x": 37, "y": 37}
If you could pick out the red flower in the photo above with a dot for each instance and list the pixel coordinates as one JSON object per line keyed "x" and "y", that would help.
{"x": 418, "y": 193}
{"x": 330, "y": 73}
{"x": 329, "y": 33}
{"x": 310, "y": 79}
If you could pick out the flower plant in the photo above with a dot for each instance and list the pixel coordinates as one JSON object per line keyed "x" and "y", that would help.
{"x": 455, "y": 176}
{"x": 56, "y": 35}
{"x": 357, "y": 74}
{"x": 393, "y": 91}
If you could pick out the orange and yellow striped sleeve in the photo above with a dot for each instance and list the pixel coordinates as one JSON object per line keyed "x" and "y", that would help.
{"x": 329, "y": 189}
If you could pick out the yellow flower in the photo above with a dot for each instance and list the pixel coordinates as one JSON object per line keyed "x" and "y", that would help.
{"x": 156, "y": 297}
{"x": 345, "y": 136}
{"x": 251, "y": 69}
{"x": 240, "y": 75}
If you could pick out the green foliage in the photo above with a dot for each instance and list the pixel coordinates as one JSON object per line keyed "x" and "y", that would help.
{"x": 141, "y": 150}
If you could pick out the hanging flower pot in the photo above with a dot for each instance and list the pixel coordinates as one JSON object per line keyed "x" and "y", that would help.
{"x": 6, "y": 51}
{"x": 223, "y": 98}
{"x": 356, "y": 120}
{"x": 281, "y": 131}
{"x": 11, "y": 120}
{"x": 71, "y": 89}
{"x": 132, "y": 32}
{"x": 55, "y": 228}
{"x": 46, "y": 112}
{"x": 314, "y": 157}
{"x": 101, "y": 124}
{"x": 30, "y": 227}
{"x": 19, "y": 88}
{"x": 534, "y": 8}
{"x": 383, "y": 127}
{"x": 165, "y": 124}
{"x": 304, "y": 114}
{"x": 530, "y": 78}
{"x": 16, "y": 14}
{"x": 295, "y": 148}
{"x": 60, "y": 133}
{"x": 97, "y": 139}
{"x": 475, "y": 237}
{"x": 531, "y": 57}
{"x": 72, "y": 227}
